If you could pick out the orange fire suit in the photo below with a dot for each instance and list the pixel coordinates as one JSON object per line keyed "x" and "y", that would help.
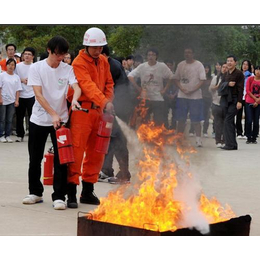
{"x": 97, "y": 86}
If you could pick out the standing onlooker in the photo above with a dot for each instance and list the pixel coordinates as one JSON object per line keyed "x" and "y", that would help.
{"x": 10, "y": 85}
{"x": 253, "y": 106}
{"x": 50, "y": 79}
{"x": 93, "y": 74}
{"x": 17, "y": 57}
{"x": 138, "y": 59}
{"x": 246, "y": 69}
{"x": 217, "y": 110}
{"x": 123, "y": 108}
{"x": 152, "y": 74}
{"x": 232, "y": 101}
{"x": 27, "y": 97}
{"x": 207, "y": 99}
{"x": 189, "y": 77}
{"x": 129, "y": 62}
{"x": 10, "y": 52}
{"x": 68, "y": 58}
{"x": 217, "y": 70}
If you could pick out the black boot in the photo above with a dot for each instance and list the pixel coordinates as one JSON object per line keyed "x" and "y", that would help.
{"x": 72, "y": 199}
{"x": 87, "y": 195}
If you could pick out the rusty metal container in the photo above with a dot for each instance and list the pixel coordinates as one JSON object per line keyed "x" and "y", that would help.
{"x": 239, "y": 226}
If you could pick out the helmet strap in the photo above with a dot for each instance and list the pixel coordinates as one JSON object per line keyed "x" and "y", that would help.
{"x": 86, "y": 48}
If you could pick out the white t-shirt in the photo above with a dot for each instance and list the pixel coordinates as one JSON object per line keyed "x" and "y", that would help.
{"x": 190, "y": 74}
{"x": 152, "y": 79}
{"x": 9, "y": 85}
{"x": 54, "y": 83}
{"x": 22, "y": 70}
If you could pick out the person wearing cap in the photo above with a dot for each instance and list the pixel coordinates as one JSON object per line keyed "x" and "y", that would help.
{"x": 10, "y": 52}
{"x": 17, "y": 56}
{"x": 92, "y": 71}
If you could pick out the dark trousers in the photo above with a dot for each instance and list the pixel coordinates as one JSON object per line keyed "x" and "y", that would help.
{"x": 117, "y": 148}
{"x": 219, "y": 117}
{"x": 229, "y": 124}
{"x": 252, "y": 120}
{"x": 239, "y": 120}
{"x": 158, "y": 108}
{"x": 25, "y": 104}
{"x": 36, "y": 144}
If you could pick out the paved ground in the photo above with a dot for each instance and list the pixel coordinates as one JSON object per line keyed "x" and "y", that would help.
{"x": 232, "y": 176}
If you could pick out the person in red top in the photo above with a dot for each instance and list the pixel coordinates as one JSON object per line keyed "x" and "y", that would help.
{"x": 252, "y": 99}
{"x": 10, "y": 51}
{"x": 92, "y": 71}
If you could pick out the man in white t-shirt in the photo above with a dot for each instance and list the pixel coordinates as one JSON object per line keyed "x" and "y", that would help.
{"x": 189, "y": 77}
{"x": 26, "y": 98}
{"x": 152, "y": 74}
{"x": 50, "y": 79}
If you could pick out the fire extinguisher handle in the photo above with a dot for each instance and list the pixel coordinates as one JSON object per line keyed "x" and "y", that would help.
{"x": 82, "y": 109}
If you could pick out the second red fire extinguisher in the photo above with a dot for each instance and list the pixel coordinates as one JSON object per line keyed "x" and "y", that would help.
{"x": 48, "y": 167}
{"x": 104, "y": 133}
{"x": 64, "y": 142}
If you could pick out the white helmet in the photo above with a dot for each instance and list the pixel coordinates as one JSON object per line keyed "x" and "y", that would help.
{"x": 94, "y": 37}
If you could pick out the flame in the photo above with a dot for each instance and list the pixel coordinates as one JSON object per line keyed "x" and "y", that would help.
{"x": 148, "y": 202}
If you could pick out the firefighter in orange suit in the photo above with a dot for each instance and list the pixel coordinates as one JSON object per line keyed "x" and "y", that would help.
{"x": 92, "y": 71}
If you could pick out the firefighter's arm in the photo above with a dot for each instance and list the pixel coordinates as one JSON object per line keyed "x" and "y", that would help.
{"x": 76, "y": 96}
{"x": 44, "y": 103}
{"x": 89, "y": 87}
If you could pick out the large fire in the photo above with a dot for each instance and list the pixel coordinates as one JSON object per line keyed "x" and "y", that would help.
{"x": 149, "y": 201}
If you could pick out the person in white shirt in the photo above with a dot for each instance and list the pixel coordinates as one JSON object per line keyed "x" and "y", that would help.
{"x": 189, "y": 77}
{"x": 152, "y": 74}
{"x": 9, "y": 99}
{"x": 50, "y": 79}
{"x": 27, "y": 97}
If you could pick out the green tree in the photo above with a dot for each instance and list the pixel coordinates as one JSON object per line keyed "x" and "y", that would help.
{"x": 124, "y": 40}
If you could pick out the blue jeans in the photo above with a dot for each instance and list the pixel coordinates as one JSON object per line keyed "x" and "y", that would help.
{"x": 6, "y": 118}
{"x": 252, "y": 121}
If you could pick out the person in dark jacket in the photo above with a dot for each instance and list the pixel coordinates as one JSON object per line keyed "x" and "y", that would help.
{"x": 118, "y": 142}
{"x": 234, "y": 79}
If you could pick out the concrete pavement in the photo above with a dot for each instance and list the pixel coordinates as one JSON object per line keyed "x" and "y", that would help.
{"x": 233, "y": 177}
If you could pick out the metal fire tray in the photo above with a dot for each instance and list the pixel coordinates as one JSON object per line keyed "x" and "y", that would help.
{"x": 239, "y": 226}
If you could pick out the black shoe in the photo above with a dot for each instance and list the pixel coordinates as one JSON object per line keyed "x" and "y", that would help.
{"x": 254, "y": 142}
{"x": 90, "y": 198}
{"x": 87, "y": 195}
{"x": 229, "y": 148}
{"x": 72, "y": 198}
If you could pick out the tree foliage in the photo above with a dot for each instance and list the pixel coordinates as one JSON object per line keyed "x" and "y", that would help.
{"x": 211, "y": 42}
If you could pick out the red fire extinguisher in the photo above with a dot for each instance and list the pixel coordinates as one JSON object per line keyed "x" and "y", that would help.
{"x": 48, "y": 167}
{"x": 64, "y": 142}
{"x": 104, "y": 133}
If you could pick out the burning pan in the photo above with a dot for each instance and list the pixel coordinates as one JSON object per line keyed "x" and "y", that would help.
{"x": 239, "y": 226}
